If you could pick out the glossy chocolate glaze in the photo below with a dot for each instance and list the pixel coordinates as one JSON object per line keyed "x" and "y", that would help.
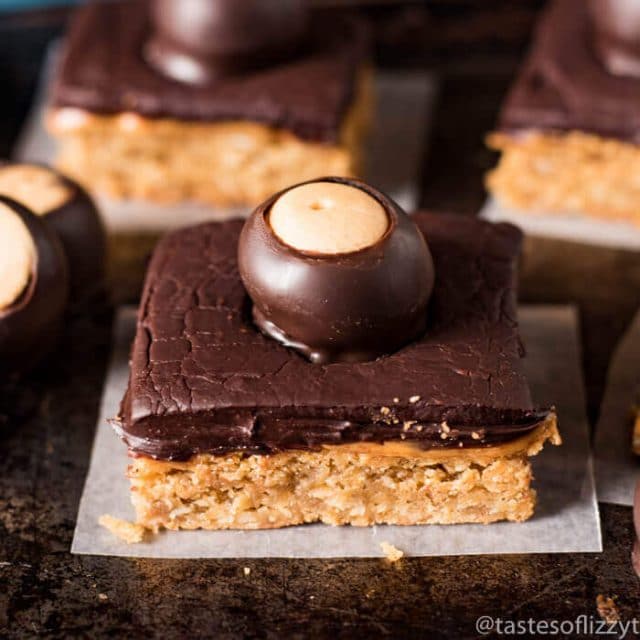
{"x": 341, "y": 308}
{"x": 563, "y": 85}
{"x": 103, "y": 71}
{"x": 240, "y": 431}
{"x": 30, "y": 326}
{"x": 199, "y": 41}
{"x": 205, "y": 380}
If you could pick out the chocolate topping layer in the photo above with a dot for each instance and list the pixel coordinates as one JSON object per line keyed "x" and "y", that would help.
{"x": 563, "y": 85}
{"x": 103, "y": 71}
{"x": 204, "y": 379}
{"x": 346, "y": 307}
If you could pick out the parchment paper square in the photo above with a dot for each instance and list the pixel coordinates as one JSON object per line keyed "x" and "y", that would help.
{"x": 573, "y": 227}
{"x": 566, "y": 518}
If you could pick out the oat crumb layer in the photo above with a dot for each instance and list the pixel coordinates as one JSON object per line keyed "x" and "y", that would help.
{"x": 359, "y": 485}
{"x": 225, "y": 163}
{"x": 572, "y": 172}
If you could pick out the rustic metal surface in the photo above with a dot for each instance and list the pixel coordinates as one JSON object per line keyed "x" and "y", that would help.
{"x": 44, "y": 591}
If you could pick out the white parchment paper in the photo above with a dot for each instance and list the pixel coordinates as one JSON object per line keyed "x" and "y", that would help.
{"x": 617, "y": 469}
{"x": 393, "y": 155}
{"x": 566, "y": 518}
{"x": 572, "y": 227}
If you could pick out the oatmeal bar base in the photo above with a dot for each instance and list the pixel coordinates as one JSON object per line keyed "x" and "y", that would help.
{"x": 572, "y": 172}
{"x": 359, "y": 484}
{"x": 225, "y": 163}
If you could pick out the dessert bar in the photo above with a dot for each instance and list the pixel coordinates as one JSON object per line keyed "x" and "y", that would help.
{"x": 243, "y": 412}
{"x": 569, "y": 129}
{"x": 136, "y": 119}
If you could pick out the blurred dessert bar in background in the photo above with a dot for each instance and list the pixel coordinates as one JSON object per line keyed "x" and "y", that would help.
{"x": 223, "y": 106}
{"x": 570, "y": 127}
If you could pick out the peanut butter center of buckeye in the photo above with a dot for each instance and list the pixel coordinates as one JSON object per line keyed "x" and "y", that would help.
{"x": 17, "y": 256}
{"x": 328, "y": 218}
{"x": 34, "y": 187}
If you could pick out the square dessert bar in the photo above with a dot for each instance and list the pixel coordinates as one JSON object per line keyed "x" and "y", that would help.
{"x": 127, "y": 130}
{"x": 569, "y": 129}
{"x": 228, "y": 428}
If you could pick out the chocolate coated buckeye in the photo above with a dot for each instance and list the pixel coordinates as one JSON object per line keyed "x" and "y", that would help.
{"x": 34, "y": 287}
{"x": 337, "y": 305}
{"x": 616, "y": 25}
{"x": 197, "y": 41}
{"x": 65, "y": 206}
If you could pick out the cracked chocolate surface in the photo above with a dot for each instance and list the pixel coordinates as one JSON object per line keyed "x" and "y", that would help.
{"x": 204, "y": 379}
{"x": 103, "y": 71}
{"x": 563, "y": 85}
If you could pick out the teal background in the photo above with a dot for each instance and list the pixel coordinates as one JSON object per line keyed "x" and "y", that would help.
{"x": 13, "y": 5}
